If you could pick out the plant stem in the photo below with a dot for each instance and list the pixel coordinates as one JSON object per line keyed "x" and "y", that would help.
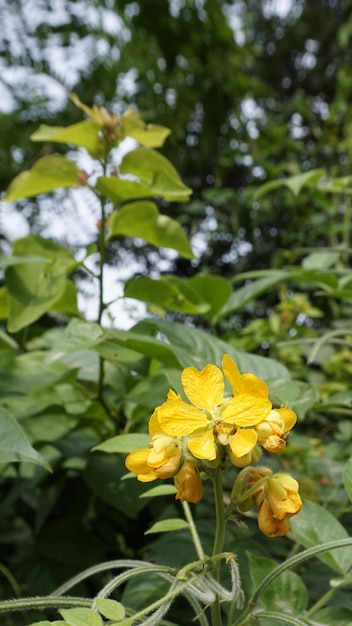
{"x": 24, "y": 604}
{"x": 102, "y": 254}
{"x": 196, "y": 540}
{"x": 219, "y": 538}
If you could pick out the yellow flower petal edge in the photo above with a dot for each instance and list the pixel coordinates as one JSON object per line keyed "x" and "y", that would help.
{"x": 242, "y": 383}
{"x": 205, "y": 388}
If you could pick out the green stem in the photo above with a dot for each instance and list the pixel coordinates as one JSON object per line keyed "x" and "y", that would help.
{"x": 102, "y": 254}
{"x": 46, "y": 602}
{"x": 279, "y": 617}
{"x": 196, "y": 540}
{"x": 219, "y": 538}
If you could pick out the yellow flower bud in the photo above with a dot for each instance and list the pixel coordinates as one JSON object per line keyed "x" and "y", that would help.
{"x": 280, "y": 501}
{"x": 189, "y": 483}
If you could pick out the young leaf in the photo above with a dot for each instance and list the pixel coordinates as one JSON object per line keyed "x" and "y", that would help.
{"x": 120, "y": 190}
{"x": 167, "y": 525}
{"x": 149, "y": 135}
{"x": 14, "y": 446}
{"x": 124, "y": 443}
{"x": 142, "y": 219}
{"x": 81, "y": 617}
{"x": 111, "y": 609}
{"x": 48, "y": 173}
{"x": 155, "y": 171}
{"x": 314, "y": 525}
{"x": 84, "y": 134}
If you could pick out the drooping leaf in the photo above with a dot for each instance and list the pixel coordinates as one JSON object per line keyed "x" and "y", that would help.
{"x": 155, "y": 171}
{"x": 315, "y": 525}
{"x": 14, "y": 445}
{"x": 167, "y": 525}
{"x": 35, "y": 288}
{"x": 169, "y": 292}
{"x": 142, "y": 219}
{"x": 287, "y": 593}
{"x": 149, "y": 135}
{"x": 47, "y": 174}
{"x": 84, "y": 134}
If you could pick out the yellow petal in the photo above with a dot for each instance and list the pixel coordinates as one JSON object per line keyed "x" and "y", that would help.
{"x": 288, "y": 417}
{"x": 205, "y": 388}
{"x": 137, "y": 461}
{"x": 154, "y": 425}
{"x": 147, "y": 478}
{"x": 242, "y": 383}
{"x": 203, "y": 447}
{"x": 270, "y": 526}
{"x": 177, "y": 418}
{"x": 243, "y": 441}
{"x": 246, "y": 409}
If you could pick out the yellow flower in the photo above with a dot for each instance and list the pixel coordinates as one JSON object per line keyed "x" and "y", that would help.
{"x": 189, "y": 483}
{"x": 273, "y": 431}
{"x": 279, "y": 501}
{"x": 211, "y": 418}
{"x": 162, "y": 458}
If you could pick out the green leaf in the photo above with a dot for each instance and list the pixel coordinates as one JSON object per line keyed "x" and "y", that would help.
{"x": 35, "y": 288}
{"x": 160, "y": 490}
{"x": 81, "y": 617}
{"x": 287, "y": 593}
{"x": 142, "y": 219}
{"x": 332, "y": 616}
{"x": 167, "y": 525}
{"x": 294, "y": 183}
{"x": 46, "y": 623}
{"x": 314, "y": 525}
{"x": 120, "y": 190}
{"x": 14, "y": 446}
{"x": 214, "y": 290}
{"x": 347, "y": 478}
{"x": 320, "y": 260}
{"x": 124, "y": 443}
{"x": 169, "y": 292}
{"x": 149, "y": 135}
{"x": 155, "y": 171}
{"x": 111, "y": 609}
{"x": 300, "y": 396}
{"x": 48, "y": 173}
{"x": 84, "y": 134}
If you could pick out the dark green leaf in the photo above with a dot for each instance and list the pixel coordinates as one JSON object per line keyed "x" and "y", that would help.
{"x": 169, "y": 292}
{"x": 124, "y": 443}
{"x": 347, "y": 478}
{"x": 14, "y": 446}
{"x": 287, "y": 593}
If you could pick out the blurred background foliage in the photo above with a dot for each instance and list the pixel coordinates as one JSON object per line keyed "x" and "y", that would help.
{"x": 253, "y": 91}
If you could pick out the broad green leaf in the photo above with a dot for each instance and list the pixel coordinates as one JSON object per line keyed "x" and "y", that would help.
{"x": 35, "y": 288}
{"x": 169, "y": 292}
{"x": 124, "y": 443}
{"x": 155, "y": 171}
{"x": 103, "y": 474}
{"x": 46, "y": 623}
{"x": 14, "y": 446}
{"x": 142, "y": 219}
{"x": 300, "y": 396}
{"x": 160, "y": 490}
{"x": 313, "y": 526}
{"x": 287, "y": 593}
{"x": 332, "y": 616}
{"x": 214, "y": 290}
{"x": 347, "y": 478}
{"x": 111, "y": 609}
{"x": 48, "y": 427}
{"x": 187, "y": 346}
{"x": 4, "y": 303}
{"x": 167, "y": 525}
{"x": 81, "y": 617}
{"x": 48, "y": 173}
{"x": 320, "y": 260}
{"x": 243, "y": 295}
{"x": 149, "y": 135}
{"x": 84, "y": 134}
{"x": 68, "y": 301}
{"x": 120, "y": 190}
{"x": 294, "y": 183}
{"x": 6, "y": 261}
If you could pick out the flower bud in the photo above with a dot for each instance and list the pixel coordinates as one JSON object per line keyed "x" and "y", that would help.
{"x": 189, "y": 483}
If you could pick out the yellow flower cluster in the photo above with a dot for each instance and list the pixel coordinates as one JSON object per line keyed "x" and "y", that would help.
{"x": 186, "y": 436}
